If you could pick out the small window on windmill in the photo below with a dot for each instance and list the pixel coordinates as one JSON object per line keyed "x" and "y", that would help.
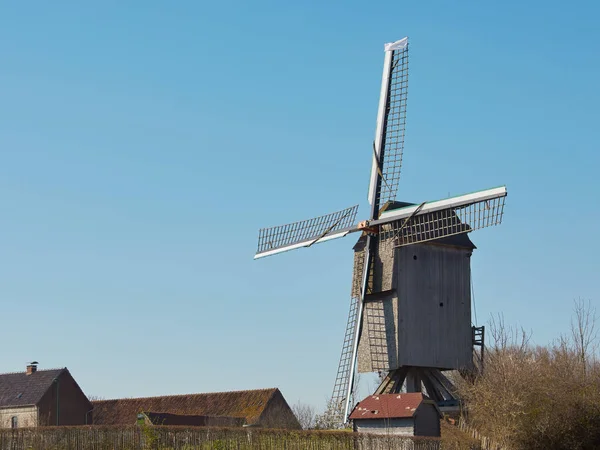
{"x": 13, "y": 422}
{"x": 19, "y": 395}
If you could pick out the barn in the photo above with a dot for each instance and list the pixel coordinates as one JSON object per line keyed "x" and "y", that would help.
{"x": 265, "y": 408}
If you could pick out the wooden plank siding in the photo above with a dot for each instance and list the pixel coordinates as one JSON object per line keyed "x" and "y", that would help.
{"x": 428, "y": 311}
{"x": 427, "y": 421}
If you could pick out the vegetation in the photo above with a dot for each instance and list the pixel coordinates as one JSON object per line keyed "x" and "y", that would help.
{"x": 305, "y": 414}
{"x": 532, "y": 397}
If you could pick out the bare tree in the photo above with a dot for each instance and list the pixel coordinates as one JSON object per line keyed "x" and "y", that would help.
{"x": 305, "y": 414}
{"x": 328, "y": 420}
{"x": 584, "y": 332}
{"x": 505, "y": 337}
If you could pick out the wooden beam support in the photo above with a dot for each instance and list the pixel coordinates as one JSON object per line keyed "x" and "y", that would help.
{"x": 365, "y": 228}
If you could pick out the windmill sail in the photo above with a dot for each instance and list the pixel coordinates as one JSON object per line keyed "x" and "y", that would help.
{"x": 391, "y": 123}
{"x": 442, "y": 218}
{"x": 385, "y": 176}
{"x": 342, "y": 395}
{"x": 306, "y": 232}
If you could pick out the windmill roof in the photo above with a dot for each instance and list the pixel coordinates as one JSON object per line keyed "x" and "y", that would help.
{"x": 20, "y": 389}
{"x": 389, "y": 406}
{"x": 248, "y": 405}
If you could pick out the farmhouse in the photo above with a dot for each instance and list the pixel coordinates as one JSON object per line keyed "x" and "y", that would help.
{"x": 410, "y": 414}
{"x": 256, "y": 408}
{"x": 40, "y": 398}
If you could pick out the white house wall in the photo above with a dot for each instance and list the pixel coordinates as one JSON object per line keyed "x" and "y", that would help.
{"x": 401, "y": 427}
{"x": 26, "y": 416}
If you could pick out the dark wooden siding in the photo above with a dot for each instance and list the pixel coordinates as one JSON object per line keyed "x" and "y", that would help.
{"x": 278, "y": 414}
{"x": 427, "y": 421}
{"x": 72, "y": 403}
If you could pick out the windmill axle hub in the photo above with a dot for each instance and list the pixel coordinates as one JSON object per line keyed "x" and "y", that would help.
{"x": 364, "y": 226}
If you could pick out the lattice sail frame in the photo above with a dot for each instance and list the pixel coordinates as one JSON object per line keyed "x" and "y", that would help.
{"x": 341, "y": 397}
{"x": 306, "y": 232}
{"x": 395, "y": 126}
{"x": 443, "y": 223}
{"x": 391, "y": 125}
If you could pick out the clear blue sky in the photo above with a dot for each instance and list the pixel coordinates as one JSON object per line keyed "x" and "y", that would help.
{"x": 142, "y": 147}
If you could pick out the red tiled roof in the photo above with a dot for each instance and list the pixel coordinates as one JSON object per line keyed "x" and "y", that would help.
{"x": 389, "y": 406}
{"x": 247, "y": 405}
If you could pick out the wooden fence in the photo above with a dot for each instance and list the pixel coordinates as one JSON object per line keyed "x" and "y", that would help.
{"x": 182, "y": 438}
{"x": 485, "y": 442}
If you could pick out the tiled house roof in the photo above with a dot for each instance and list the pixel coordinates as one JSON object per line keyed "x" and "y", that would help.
{"x": 247, "y": 405}
{"x": 193, "y": 421}
{"x": 21, "y": 389}
{"x": 389, "y": 406}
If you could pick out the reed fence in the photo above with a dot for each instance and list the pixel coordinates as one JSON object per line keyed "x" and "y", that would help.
{"x": 185, "y": 438}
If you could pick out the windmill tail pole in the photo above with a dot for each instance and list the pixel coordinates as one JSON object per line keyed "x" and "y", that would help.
{"x": 365, "y": 280}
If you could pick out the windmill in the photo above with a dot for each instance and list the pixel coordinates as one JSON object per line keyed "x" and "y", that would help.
{"x": 410, "y": 309}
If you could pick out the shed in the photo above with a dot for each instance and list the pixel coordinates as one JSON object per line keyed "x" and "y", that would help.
{"x": 411, "y": 414}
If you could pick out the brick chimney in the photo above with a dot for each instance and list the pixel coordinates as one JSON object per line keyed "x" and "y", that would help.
{"x": 31, "y": 368}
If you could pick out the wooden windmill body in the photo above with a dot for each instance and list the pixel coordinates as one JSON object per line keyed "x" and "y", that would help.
{"x": 417, "y": 314}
